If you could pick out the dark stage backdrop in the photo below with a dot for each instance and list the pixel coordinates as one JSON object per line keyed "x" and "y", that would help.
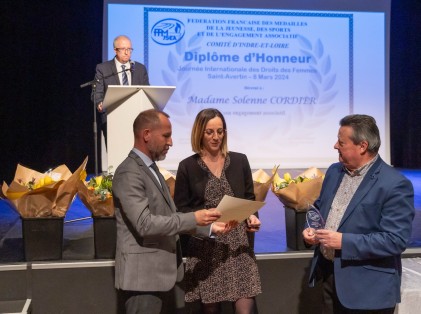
{"x": 51, "y": 48}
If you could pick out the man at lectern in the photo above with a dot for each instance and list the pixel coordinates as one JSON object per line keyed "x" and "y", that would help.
{"x": 121, "y": 70}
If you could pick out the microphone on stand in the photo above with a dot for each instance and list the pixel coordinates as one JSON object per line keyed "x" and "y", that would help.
{"x": 90, "y": 83}
{"x": 131, "y": 66}
{"x": 117, "y": 73}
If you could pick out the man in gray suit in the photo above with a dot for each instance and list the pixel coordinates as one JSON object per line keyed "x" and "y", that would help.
{"x": 121, "y": 70}
{"x": 148, "y": 259}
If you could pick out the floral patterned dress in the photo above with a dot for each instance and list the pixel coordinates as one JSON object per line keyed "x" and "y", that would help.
{"x": 221, "y": 269}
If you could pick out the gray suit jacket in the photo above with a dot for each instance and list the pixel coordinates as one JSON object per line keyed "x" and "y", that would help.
{"x": 148, "y": 253}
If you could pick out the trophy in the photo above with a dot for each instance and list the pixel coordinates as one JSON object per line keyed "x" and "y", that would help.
{"x": 314, "y": 218}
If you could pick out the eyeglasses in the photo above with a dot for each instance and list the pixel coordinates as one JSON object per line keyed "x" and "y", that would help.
{"x": 211, "y": 132}
{"x": 124, "y": 49}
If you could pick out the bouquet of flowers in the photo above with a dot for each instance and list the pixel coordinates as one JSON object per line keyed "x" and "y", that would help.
{"x": 34, "y": 194}
{"x": 299, "y": 192}
{"x": 262, "y": 182}
{"x": 96, "y": 194}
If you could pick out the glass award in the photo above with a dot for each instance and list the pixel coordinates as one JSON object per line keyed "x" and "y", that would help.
{"x": 314, "y": 218}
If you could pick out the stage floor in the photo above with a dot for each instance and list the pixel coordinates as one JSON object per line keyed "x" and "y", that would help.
{"x": 78, "y": 241}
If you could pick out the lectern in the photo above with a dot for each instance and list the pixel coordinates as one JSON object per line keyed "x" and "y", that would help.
{"x": 123, "y": 104}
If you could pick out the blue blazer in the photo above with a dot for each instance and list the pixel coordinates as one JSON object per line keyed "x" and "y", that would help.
{"x": 375, "y": 230}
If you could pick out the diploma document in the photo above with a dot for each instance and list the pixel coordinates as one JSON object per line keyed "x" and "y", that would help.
{"x": 233, "y": 208}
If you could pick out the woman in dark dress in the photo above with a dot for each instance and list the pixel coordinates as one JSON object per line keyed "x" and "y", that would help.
{"x": 222, "y": 268}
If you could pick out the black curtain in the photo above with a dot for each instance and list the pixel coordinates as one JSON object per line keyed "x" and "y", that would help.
{"x": 51, "y": 47}
{"x": 405, "y": 83}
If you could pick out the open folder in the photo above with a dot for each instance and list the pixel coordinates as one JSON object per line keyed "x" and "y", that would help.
{"x": 233, "y": 208}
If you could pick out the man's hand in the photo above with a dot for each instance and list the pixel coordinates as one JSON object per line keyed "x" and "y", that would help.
{"x": 205, "y": 217}
{"x": 99, "y": 107}
{"x": 330, "y": 239}
{"x": 309, "y": 236}
{"x": 253, "y": 223}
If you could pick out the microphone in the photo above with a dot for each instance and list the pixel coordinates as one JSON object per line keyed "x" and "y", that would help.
{"x": 95, "y": 81}
{"x": 91, "y": 83}
{"x": 116, "y": 73}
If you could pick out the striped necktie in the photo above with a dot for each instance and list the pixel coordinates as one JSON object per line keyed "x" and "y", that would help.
{"x": 125, "y": 78}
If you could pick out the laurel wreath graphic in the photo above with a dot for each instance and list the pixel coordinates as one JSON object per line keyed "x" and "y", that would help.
{"x": 297, "y": 127}
{"x": 302, "y": 119}
{"x": 323, "y": 79}
{"x": 181, "y": 79}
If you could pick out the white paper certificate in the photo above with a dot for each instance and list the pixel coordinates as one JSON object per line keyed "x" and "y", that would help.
{"x": 233, "y": 208}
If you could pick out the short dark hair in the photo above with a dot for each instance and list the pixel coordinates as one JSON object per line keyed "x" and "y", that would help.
{"x": 147, "y": 119}
{"x": 364, "y": 129}
{"x": 199, "y": 126}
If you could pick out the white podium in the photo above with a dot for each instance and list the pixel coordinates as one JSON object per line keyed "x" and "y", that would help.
{"x": 123, "y": 104}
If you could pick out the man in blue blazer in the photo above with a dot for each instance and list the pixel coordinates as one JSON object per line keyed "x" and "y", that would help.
{"x": 368, "y": 207}
{"x": 121, "y": 70}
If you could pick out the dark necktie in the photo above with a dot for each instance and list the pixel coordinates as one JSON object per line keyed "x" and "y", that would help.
{"x": 125, "y": 78}
{"x": 164, "y": 186}
{"x": 155, "y": 168}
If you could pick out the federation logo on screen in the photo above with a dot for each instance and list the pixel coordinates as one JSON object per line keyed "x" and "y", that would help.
{"x": 167, "y": 32}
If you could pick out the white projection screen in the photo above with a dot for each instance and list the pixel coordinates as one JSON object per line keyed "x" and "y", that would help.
{"x": 283, "y": 73}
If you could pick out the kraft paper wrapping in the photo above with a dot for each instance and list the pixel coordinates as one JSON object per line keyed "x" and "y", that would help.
{"x": 97, "y": 207}
{"x": 262, "y": 183}
{"x": 169, "y": 179}
{"x": 49, "y": 200}
{"x": 299, "y": 195}
{"x": 105, "y": 208}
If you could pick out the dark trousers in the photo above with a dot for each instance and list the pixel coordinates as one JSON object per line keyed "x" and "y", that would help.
{"x": 331, "y": 303}
{"x": 152, "y": 302}
{"x": 101, "y": 131}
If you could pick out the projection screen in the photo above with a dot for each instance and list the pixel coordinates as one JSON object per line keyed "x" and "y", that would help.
{"x": 283, "y": 74}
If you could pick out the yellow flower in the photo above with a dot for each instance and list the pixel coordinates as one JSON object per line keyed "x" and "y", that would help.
{"x": 48, "y": 180}
{"x": 287, "y": 177}
{"x": 34, "y": 184}
{"x": 281, "y": 183}
{"x": 98, "y": 180}
{"x": 102, "y": 185}
{"x": 83, "y": 175}
{"x": 278, "y": 182}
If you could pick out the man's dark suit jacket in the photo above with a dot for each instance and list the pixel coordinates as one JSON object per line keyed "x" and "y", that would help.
{"x": 107, "y": 74}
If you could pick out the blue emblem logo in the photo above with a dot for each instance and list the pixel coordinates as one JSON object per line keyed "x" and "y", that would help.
{"x": 167, "y": 32}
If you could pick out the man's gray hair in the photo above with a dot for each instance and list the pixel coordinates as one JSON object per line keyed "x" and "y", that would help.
{"x": 364, "y": 129}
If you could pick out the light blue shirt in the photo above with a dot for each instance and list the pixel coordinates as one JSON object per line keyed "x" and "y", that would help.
{"x": 148, "y": 162}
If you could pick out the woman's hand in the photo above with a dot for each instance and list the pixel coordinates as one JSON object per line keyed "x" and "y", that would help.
{"x": 219, "y": 228}
{"x": 253, "y": 223}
